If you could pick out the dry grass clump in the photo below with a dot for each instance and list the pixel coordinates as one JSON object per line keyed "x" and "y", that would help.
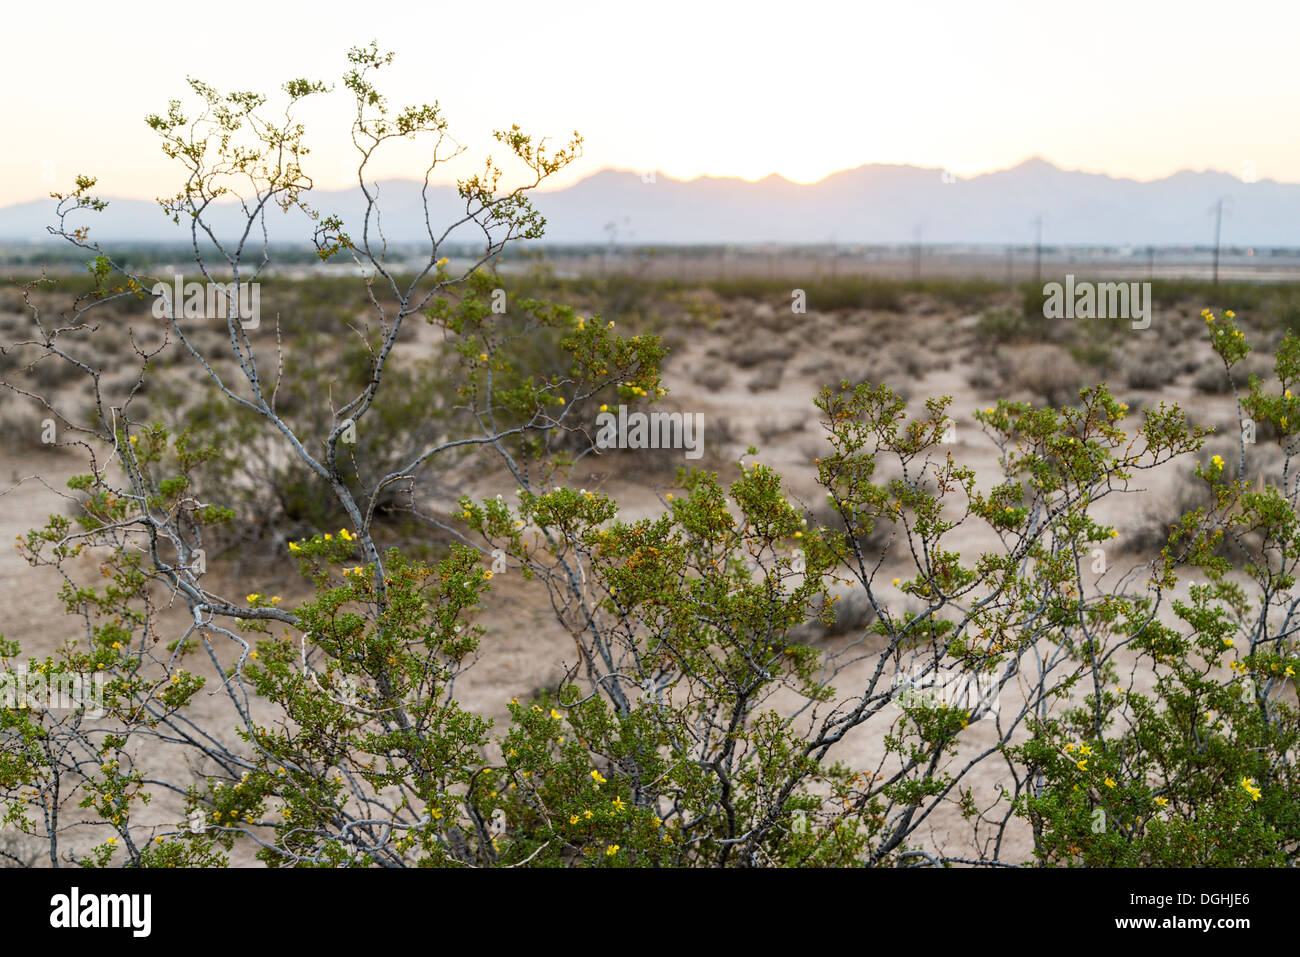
{"x": 768, "y": 377}
{"x": 1045, "y": 373}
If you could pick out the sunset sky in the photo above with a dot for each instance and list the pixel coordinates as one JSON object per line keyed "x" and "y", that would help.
{"x": 686, "y": 88}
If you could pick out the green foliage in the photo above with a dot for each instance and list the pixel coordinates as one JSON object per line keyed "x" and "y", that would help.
{"x": 697, "y": 725}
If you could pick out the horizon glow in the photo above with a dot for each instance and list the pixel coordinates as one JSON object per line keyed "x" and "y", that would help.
{"x": 684, "y": 89}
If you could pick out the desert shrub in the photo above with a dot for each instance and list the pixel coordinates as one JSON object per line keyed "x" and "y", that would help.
{"x": 1144, "y": 372}
{"x": 1002, "y": 325}
{"x": 767, "y": 378}
{"x": 664, "y": 745}
{"x": 713, "y": 378}
{"x": 747, "y": 354}
{"x": 1047, "y": 372}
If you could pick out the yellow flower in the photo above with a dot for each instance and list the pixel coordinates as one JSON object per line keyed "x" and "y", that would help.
{"x": 253, "y": 597}
{"x": 670, "y": 496}
{"x": 294, "y": 546}
{"x": 1085, "y": 749}
{"x": 897, "y": 580}
{"x": 595, "y": 776}
{"x": 1070, "y": 747}
{"x": 1228, "y": 313}
{"x": 1218, "y": 461}
{"x": 1290, "y": 671}
{"x": 1251, "y": 789}
{"x": 618, "y": 804}
{"x": 613, "y": 848}
{"x": 329, "y": 537}
{"x": 604, "y": 407}
{"x": 1227, "y": 643}
{"x": 1082, "y": 765}
{"x": 482, "y": 357}
{"x": 275, "y": 599}
{"x": 573, "y": 819}
{"x": 1163, "y": 802}
{"x": 587, "y": 815}
{"x": 1110, "y": 782}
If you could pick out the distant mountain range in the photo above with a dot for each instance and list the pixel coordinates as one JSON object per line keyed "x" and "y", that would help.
{"x": 870, "y": 204}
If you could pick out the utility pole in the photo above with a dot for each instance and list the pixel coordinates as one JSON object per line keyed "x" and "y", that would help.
{"x": 1218, "y": 225}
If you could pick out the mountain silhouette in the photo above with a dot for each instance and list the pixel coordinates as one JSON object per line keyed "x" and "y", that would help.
{"x": 875, "y": 203}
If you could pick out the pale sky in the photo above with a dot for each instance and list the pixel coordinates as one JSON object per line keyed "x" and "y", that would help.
{"x": 802, "y": 89}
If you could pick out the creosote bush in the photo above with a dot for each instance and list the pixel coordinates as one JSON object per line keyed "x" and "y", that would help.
{"x": 694, "y": 727}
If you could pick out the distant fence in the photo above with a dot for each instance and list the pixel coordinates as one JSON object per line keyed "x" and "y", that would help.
{"x": 1012, "y": 265}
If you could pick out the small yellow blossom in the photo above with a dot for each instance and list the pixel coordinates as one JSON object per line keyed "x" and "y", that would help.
{"x": 1110, "y": 782}
{"x": 613, "y": 848}
{"x": 618, "y": 804}
{"x": 1251, "y": 789}
{"x": 595, "y": 776}
{"x": 1163, "y": 802}
{"x": 1082, "y": 765}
